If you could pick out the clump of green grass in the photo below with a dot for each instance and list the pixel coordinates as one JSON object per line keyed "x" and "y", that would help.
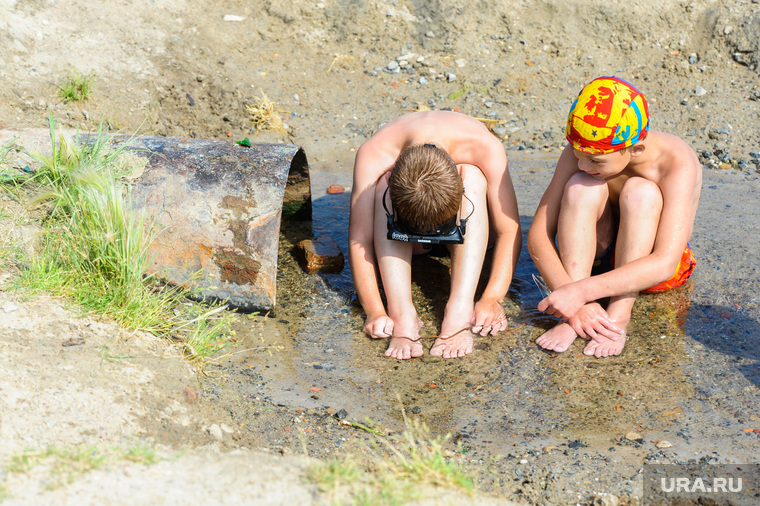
{"x": 415, "y": 461}
{"x": 76, "y": 86}
{"x": 64, "y": 465}
{"x": 95, "y": 247}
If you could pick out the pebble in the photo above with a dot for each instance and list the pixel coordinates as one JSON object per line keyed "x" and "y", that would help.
{"x": 216, "y": 432}
{"x": 693, "y": 58}
{"x": 754, "y": 154}
{"x": 10, "y": 307}
{"x": 430, "y": 34}
{"x": 633, "y": 436}
{"x": 700, "y": 91}
{"x": 451, "y": 77}
{"x": 422, "y": 80}
{"x": 500, "y": 131}
{"x": 461, "y": 62}
{"x": 523, "y": 461}
{"x": 664, "y": 444}
{"x": 392, "y": 65}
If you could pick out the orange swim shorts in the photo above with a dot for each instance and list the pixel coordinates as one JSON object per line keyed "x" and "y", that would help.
{"x": 683, "y": 271}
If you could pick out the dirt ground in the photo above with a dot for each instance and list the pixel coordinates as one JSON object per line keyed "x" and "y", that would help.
{"x": 338, "y": 69}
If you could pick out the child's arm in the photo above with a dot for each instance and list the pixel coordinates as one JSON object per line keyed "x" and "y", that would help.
{"x": 504, "y": 221}
{"x": 543, "y": 228}
{"x": 361, "y": 251}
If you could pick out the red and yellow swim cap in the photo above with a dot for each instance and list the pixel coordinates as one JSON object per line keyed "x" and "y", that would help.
{"x": 608, "y": 115}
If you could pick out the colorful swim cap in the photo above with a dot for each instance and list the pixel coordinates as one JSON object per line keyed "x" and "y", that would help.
{"x": 608, "y": 115}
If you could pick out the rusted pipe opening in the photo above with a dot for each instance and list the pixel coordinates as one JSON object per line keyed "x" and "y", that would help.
{"x": 296, "y": 203}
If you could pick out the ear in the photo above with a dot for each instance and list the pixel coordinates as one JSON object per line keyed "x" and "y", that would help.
{"x": 638, "y": 148}
{"x": 461, "y": 170}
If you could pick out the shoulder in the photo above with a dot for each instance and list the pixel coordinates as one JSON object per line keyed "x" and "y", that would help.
{"x": 677, "y": 166}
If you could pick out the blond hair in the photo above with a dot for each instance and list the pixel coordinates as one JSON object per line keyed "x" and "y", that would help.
{"x": 425, "y": 186}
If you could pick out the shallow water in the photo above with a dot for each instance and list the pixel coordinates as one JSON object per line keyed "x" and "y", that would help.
{"x": 689, "y": 373}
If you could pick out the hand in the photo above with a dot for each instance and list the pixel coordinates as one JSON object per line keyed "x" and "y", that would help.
{"x": 488, "y": 317}
{"x": 593, "y": 322}
{"x": 378, "y": 327}
{"x": 563, "y": 302}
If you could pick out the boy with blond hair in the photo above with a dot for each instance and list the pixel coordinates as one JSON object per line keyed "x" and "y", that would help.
{"x": 615, "y": 219}
{"x": 418, "y": 181}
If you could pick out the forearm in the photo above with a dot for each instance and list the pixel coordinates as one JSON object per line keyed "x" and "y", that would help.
{"x": 627, "y": 279}
{"x": 364, "y": 274}
{"x": 506, "y": 252}
{"x": 547, "y": 260}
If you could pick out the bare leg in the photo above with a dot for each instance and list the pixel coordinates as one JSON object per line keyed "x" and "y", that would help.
{"x": 466, "y": 264}
{"x": 584, "y": 229}
{"x": 640, "y": 208}
{"x": 394, "y": 260}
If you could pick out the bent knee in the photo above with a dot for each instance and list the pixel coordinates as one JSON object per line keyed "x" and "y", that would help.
{"x": 584, "y": 189}
{"x": 473, "y": 178}
{"x": 640, "y": 193}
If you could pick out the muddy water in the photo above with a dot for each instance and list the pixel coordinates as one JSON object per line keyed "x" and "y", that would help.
{"x": 689, "y": 374}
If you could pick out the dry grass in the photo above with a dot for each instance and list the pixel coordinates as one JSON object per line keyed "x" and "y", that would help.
{"x": 265, "y": 114}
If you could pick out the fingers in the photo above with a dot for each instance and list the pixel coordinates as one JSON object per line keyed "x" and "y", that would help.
{"x": 490, "y": 326}
{"x": 379, "y": 328}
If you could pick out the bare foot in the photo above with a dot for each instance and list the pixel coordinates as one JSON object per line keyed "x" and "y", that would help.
{"x": 558, "y": 338}
{"x": 402, "y": 348}
{"x": 606, "y": 347}
{"x": 458, "y": 345}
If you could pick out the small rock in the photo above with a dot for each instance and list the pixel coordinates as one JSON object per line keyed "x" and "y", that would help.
{"x": 341, "y": 415}
{"x": 523, "y": 461}
{"x": 549, "y": 449}
{"x": 10, "y": 307}
{"x": 392, "y": 65}
{"x": 693, "y": 58}
{"x": 664, "y": 444}
{"x": 605, "y": 500}
{"x": 700, "y": 91}
{"x": 233, "y": 17}
{"x": 724, "y": 166}
{"x": 451, "y": 77}
{"x": 335, "y": 189}
{"x": 633, "y": 436}
{"x": 216, "y": 432}
{"x": 577, "y": 444}
{"x": 430, "y": 34}
{"x": 754, "y": 154}
{"x": 320, "y": 255}
{"x": 500, "y": 132}
{"x": 422, "y": 80}
{"x": 461, "y": 62}
{"x": 684, "y": 101}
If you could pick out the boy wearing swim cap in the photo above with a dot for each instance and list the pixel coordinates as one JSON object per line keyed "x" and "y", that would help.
{"x": 621, "y": 195}
{"x": 417, "y": 179}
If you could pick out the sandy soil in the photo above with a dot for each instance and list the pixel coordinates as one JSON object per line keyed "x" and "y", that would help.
{"x": 188, "y": 69}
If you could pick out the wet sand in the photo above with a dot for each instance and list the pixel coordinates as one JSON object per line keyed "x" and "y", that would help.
{"x": 565, "y": 425}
